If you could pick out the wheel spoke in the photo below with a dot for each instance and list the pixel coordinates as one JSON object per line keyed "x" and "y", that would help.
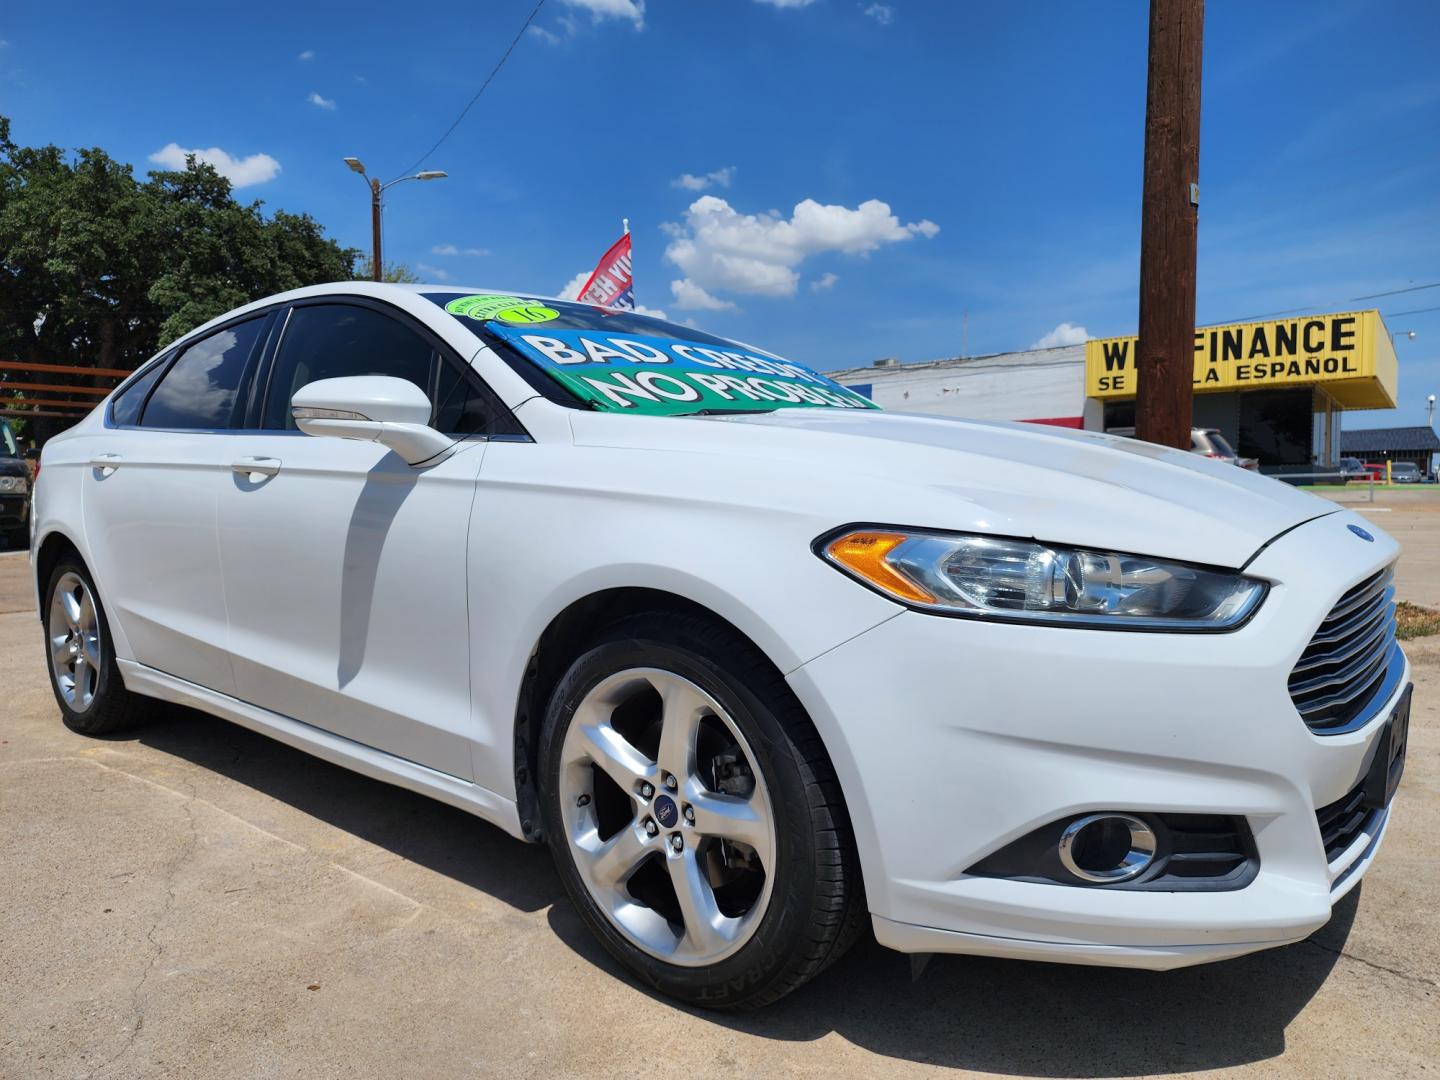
{"x": 70, "y": 605}
{"x": 682, "y": 708}
{"x": 90, "y": 644}
{"x": 730, "y": 817}
{"x": 617, "y": 757}
{"x": 707, "y": 930}
{"x": 85, "y": 617}
{"x": 60, "y": 650}
{"x": 614, "y": 860}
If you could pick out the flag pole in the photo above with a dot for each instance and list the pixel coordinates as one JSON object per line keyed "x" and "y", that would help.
{"x": 625, "y": 222}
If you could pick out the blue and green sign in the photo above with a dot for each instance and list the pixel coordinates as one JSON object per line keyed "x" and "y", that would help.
{"x": 625, "y": 372}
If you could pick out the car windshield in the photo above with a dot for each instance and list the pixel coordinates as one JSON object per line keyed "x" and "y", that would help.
{"x": 1219, "y": 445}
{"x": 1408, "y": 468}
{"x": 618, "y": 361}
{"x": 7, "y": 441}
{"x": 1351, "y": 464}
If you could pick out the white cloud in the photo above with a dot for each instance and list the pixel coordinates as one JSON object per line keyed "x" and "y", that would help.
{"x": 322, "y": 102}
{"x": 825, "y": 281}
{"x": 308, "y": 54}
{"x": 883, "y": 14}
{"x": 691, "y": 182}
{"x": 654, "y": 313}
{"x": 544, "y": 35}
{"x": 451, "y": 249}
{"x": 787, "y": 3}
{"x": 718, "y": 248}
{"x": 572, "y": 288}
{"x": 634, "y": 10}
{"x": 1064, "y": 334}
{"x": 242, "y": 172}
{"x": 432, "y": 271}
{"x": 692, "y": 297}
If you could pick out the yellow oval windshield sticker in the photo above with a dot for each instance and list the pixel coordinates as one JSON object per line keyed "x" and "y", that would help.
{"x": 509, "y": 309}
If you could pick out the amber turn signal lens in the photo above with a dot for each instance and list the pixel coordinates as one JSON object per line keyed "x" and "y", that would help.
{"x": 863, "y": 554}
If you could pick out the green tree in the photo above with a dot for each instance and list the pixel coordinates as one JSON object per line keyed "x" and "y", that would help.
{"x": 394, "y": 273}
{"x": 101, "y": 270}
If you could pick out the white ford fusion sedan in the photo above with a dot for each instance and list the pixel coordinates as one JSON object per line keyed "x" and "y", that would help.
{"x": 758, "y": 661}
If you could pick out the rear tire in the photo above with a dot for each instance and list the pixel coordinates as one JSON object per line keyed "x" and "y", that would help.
{"x": 80, "y": 655}
{"x": 750, "y": 884}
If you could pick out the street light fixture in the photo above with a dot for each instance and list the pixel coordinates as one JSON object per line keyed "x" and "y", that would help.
{"x": 376, "y": 189}
{"x": 1408, "y": 335}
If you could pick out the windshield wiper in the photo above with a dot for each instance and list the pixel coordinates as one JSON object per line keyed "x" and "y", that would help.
{"x": 725, "y": 412}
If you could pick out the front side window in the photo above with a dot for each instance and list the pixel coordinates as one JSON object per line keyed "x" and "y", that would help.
{"x": 331, "y": 341}
{"x": 202, "y": 388}
{"x": 618, "y": 361}
{"x": 7, "y": 441}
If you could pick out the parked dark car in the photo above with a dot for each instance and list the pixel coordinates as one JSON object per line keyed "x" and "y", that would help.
{"x": 1352, "y": 468}
{"x": 14, "y": 491}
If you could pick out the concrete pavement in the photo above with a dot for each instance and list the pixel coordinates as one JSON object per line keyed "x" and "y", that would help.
{"x": 191, "y": 899}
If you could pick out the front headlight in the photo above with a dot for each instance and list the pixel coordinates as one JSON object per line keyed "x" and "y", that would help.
{"x": 12, "y": 483}
{"x": 1024, "y": 581}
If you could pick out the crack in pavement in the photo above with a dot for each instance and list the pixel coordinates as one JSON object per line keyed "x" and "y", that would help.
{"x": 1420, "y": 979}
{"x": 137, "y": 1006}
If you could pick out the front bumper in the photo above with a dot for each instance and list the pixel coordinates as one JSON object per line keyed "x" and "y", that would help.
{"x": 14, "y": 511}
{"x": 954, "y": 737}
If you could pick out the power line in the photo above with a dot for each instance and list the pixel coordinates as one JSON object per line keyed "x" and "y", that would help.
{"x": 1396, "y": 292}
{"x": 488, "y": 79}
{"x": 1337, "y": 303}
{"x": 1416, "y": 311}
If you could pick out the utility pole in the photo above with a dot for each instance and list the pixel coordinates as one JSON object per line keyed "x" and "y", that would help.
{"x": 1165, "y": 353}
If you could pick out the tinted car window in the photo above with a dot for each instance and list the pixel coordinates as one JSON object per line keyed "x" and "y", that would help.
{"x": 328, "y": 341}
{"x": 201, "y": 388}
{"x": 125, "y": 409}
{"x": 7, "y": 442}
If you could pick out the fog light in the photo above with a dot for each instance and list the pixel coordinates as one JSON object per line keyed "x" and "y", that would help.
{"x": 1106, "y": 848}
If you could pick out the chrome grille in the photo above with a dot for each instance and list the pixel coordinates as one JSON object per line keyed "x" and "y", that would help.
{"x": 1345, "y": 664}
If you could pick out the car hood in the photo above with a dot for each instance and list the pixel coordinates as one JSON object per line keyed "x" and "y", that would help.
{"x": 13, "y": 466}
{"x": 1005, "y": 479}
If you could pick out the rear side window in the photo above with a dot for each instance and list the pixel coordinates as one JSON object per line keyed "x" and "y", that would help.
{"x": 330, "y": 341}
{"x": 125, "y": 409}
{"x": 202, "y": 388}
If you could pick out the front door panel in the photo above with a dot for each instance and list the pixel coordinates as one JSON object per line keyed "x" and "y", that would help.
{"x": 345, "y": 580}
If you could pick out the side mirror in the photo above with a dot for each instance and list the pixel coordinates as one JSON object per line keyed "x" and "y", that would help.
{"x": 373, "y": 408}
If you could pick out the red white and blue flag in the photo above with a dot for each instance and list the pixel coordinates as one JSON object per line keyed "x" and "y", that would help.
{"x": 612, "y": 284}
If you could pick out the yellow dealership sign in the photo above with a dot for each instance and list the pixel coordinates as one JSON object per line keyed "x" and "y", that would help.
{"x": 1348, "y": 354}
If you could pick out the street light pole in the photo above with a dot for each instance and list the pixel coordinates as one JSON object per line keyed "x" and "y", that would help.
{"x": 376, "y": 190}
{"x": 375, "y": 262}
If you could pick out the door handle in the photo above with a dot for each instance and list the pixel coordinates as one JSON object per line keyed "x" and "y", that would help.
{"x": 106, "y": 463}
{"x": 251, "y": 466}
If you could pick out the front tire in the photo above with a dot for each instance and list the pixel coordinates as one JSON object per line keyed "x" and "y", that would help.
{"x": 80, "y": 656}
{"x": 694, "y": 816}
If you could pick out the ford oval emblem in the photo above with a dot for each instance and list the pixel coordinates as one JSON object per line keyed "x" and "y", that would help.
{"x": 666, "y": 811}
{"x": 1361, "y": 533}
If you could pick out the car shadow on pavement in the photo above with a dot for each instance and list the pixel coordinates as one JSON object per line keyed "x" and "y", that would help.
{"x": 1014, "y": 1017}
{"x": 415, "y": 827}
{"x": 1002, "y": 1016}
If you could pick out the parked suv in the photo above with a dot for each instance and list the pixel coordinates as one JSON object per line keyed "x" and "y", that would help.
{"x": 761, "y": 662}
{"x": 14, "y": 491}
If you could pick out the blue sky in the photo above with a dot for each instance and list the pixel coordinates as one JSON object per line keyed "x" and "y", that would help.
{"x": 860, "y": 174}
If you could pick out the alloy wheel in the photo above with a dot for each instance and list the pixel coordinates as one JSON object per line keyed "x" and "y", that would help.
{"x": 667, "y": 816}
{"x": 73, "y": 629}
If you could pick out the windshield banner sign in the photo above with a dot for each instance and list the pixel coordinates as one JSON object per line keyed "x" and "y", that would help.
{"x": 664, "y": 375}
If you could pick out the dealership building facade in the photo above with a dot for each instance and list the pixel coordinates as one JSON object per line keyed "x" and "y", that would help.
{"x": 1275, "y": 389}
